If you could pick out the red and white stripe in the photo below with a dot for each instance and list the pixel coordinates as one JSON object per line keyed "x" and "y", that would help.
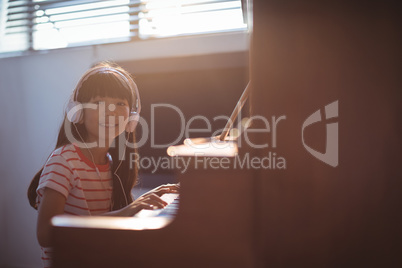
{"x": 69, "y": 172}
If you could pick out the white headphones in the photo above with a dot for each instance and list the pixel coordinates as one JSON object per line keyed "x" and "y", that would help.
{"x": 74, "y": 108}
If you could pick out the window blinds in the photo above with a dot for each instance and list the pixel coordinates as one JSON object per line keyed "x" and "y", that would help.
{"x": 47, "y": 24}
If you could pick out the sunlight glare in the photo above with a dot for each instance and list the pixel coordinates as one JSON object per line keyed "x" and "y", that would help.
{"x": 105, "y": 20}
{"x": 176, "y": 17}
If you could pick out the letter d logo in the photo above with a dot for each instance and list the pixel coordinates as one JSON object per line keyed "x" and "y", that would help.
{"x": 330, "y": 156}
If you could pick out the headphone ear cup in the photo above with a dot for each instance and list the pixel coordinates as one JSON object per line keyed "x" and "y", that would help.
{"x": 132, "y": 122}
{"x": 74, "y": 111}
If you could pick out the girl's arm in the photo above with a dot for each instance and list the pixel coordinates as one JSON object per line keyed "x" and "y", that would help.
{"x": 52, "y": 204}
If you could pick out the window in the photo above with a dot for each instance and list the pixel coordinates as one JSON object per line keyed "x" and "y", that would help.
{"x": 49, "y": 24}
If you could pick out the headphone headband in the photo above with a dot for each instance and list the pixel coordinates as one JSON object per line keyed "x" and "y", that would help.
{"x": 136, "y": 102}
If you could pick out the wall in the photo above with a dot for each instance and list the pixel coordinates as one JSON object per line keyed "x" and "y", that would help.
{"x": 34, "y": 91}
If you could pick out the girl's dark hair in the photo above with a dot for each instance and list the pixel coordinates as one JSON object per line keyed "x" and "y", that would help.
{"x": 103, "y": 84}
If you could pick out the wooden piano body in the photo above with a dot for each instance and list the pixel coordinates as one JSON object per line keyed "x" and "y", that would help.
{"x": 213, "y": 228}
{"x": 304, "y": 56}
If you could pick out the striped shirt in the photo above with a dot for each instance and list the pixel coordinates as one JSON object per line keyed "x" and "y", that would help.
{"x": 73, "y": 175}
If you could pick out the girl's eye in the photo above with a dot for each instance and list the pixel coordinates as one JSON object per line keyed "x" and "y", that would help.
{"x": 121, "y": 104}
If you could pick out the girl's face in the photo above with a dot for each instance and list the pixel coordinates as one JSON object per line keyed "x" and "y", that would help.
{"x": 105, "y": 118}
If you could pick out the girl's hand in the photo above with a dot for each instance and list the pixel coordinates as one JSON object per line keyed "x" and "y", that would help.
{"x": 149, "y": 200}
{"x": 164, "y": 189}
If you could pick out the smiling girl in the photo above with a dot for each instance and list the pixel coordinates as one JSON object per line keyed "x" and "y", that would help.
{"x": 88, "y": 173}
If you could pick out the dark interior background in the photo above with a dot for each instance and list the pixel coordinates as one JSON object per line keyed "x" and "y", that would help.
{"x": 207, "y": 85}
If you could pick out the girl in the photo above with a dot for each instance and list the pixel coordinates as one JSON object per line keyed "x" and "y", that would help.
{"x": 88, "y": 173}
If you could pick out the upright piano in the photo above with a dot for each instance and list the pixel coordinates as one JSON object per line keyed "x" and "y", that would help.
{"x": 332, "y": 70}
